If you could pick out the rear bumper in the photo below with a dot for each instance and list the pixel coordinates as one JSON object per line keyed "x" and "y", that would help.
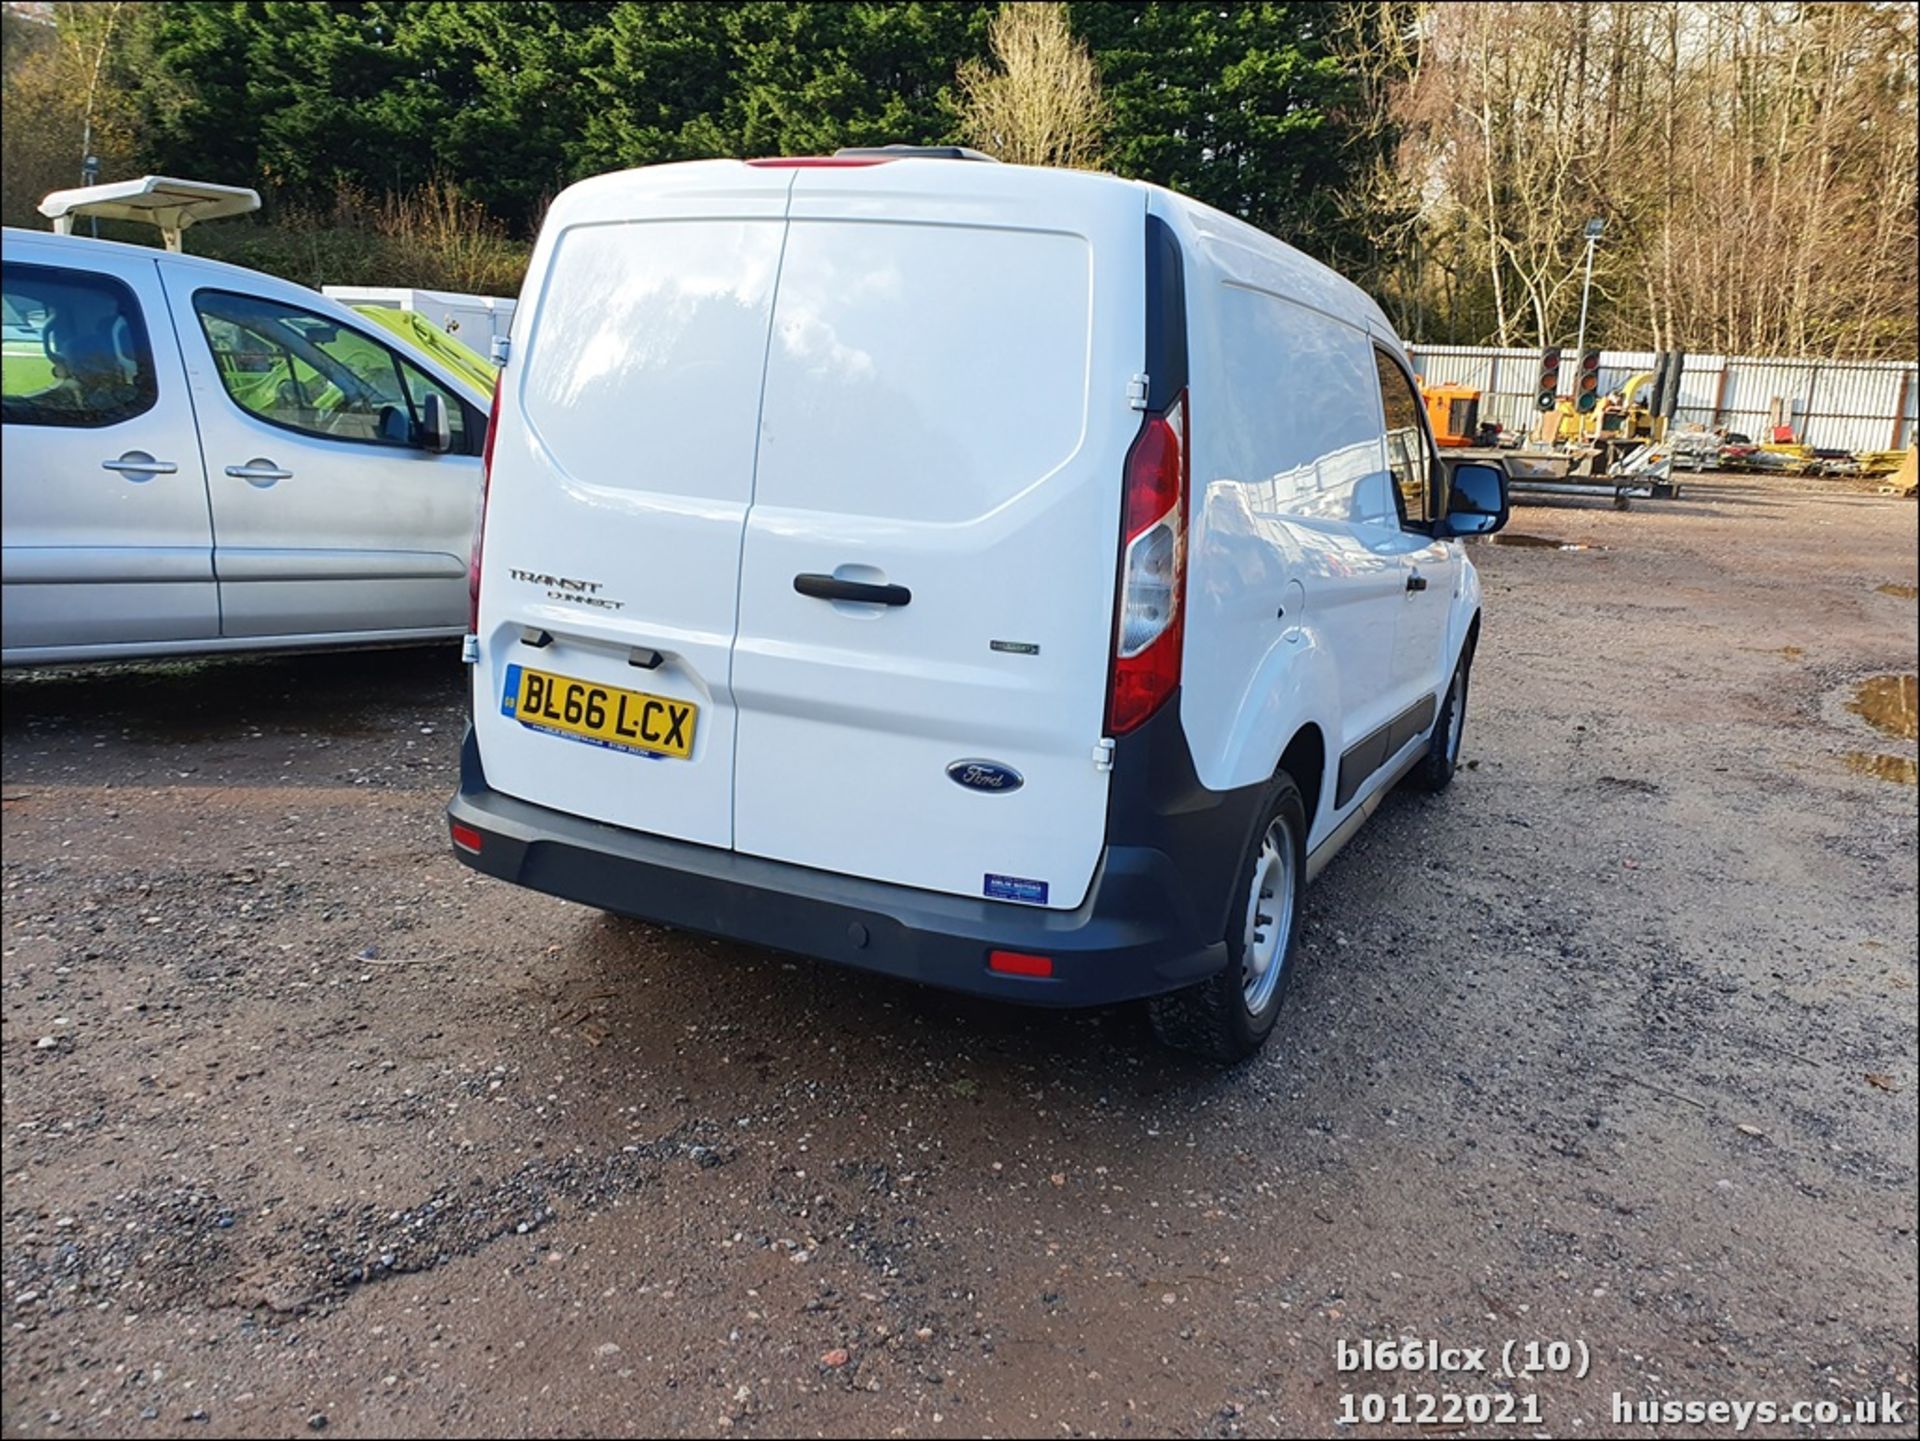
{"x": 1137, "y": 933}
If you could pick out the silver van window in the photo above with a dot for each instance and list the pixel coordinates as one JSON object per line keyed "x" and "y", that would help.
{"x": 75, "y": 349}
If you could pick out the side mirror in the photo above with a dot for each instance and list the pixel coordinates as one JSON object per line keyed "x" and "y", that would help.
{"x": 1476, "y": 499}
{"x": 437, "y": 428}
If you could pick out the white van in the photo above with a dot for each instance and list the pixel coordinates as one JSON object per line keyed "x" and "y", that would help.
{"x": 1016, "y": 580}
{"x": 201, "y": 458}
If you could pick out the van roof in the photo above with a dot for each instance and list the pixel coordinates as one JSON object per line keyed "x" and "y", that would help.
{"x": 214, "y": 272}
{"x": 80, "y": 245}
{"x": 1247, "y": 255}
{"x": 1240, "y": 252}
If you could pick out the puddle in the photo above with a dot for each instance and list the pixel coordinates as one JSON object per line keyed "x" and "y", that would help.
{"x": 1901, "y": 770}
{"x": 1886, "y": 702}
{"x": 1541, "y": 542}
{"x": 1899, "y": 592}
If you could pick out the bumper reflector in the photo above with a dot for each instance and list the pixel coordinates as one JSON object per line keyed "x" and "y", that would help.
{"x": 466, "y": 837}
{"x": 1015, "y": 963}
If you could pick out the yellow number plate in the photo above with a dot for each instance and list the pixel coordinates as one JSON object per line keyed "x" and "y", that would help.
{"x": 601, "y": 715}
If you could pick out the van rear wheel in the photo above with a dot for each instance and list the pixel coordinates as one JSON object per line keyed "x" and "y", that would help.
{"x": 1229, "y": 1017}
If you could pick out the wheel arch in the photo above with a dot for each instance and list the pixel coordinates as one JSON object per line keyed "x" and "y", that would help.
{"x": 1305, "y": 759}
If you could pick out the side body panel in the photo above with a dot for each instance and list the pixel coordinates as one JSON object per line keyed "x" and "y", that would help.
{"x": 95, "y": 556}
{"x": 316, "y": 533}
{"x": 1297, "y": 560}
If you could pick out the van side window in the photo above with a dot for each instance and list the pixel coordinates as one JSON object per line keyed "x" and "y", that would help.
{"x": 306, "y": 372}
{"x": 1321, "y": 460}
{"x": 1408, "y": 455}
{"x": 76, "y": 349}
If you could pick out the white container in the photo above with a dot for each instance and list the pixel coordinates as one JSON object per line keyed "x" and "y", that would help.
{"x": 474, "y": 320}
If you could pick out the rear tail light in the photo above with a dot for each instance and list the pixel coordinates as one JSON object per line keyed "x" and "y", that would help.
{"x": 466, "y": 837}
{"x": 480, "y": 525}
{"x": 1153, "y": 571}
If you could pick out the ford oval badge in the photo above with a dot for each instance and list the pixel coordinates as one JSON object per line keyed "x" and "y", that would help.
{"x": 978, "y": 775}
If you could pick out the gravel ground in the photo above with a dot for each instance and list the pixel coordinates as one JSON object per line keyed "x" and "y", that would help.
{"x": 307, "y": 1127}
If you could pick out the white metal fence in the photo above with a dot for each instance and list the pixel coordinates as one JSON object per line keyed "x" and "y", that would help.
{"x": 1832, "y": 404}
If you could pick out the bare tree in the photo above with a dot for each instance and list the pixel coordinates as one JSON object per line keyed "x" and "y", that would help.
{"x": 1040, "y": 102}
{"x": 67, "y": 96}
{"x": 1380, "y": 43}
{"x": 1755, "y": 164}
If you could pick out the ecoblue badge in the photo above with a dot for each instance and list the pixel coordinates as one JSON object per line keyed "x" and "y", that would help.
{"x": 1016, "y": 888}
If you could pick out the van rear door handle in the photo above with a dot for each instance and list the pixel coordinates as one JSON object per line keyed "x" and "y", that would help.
{"x": 829, "y": 587}
{"x": 1416, "y": 581}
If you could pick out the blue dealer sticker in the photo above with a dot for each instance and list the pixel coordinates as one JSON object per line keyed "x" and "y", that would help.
{"x": 1016, "y": 888}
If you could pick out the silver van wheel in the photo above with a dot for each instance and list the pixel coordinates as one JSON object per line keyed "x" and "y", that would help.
{"x": 1263, "y": 949}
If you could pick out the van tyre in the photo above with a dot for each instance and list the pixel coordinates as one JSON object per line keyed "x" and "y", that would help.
{"x": 1443, "y": 755}
{"x": 1230, "y": 1016}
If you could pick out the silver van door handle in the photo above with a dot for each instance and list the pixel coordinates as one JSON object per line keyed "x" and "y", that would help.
{"x": 139, "y": 465}
{"x": 259, "y": 472}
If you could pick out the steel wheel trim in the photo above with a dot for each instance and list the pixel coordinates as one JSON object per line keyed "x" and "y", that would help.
{"x": 1269, "y": 926}
{"x": 1456, "y": 715}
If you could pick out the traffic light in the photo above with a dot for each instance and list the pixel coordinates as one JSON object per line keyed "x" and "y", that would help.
{"x": 1586, "y": 384}
{"x": 1549, "y": 387}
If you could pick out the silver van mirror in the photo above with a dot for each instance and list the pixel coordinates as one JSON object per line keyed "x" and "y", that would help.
{"x": 437, "y": 427}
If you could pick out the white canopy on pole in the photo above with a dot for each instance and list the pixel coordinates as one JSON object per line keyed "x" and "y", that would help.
{"x": 159, "y": 200}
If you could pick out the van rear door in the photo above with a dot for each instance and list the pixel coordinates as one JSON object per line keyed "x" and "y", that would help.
{"x": 622, "y": 472}
{"x": 926, "y": 589}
